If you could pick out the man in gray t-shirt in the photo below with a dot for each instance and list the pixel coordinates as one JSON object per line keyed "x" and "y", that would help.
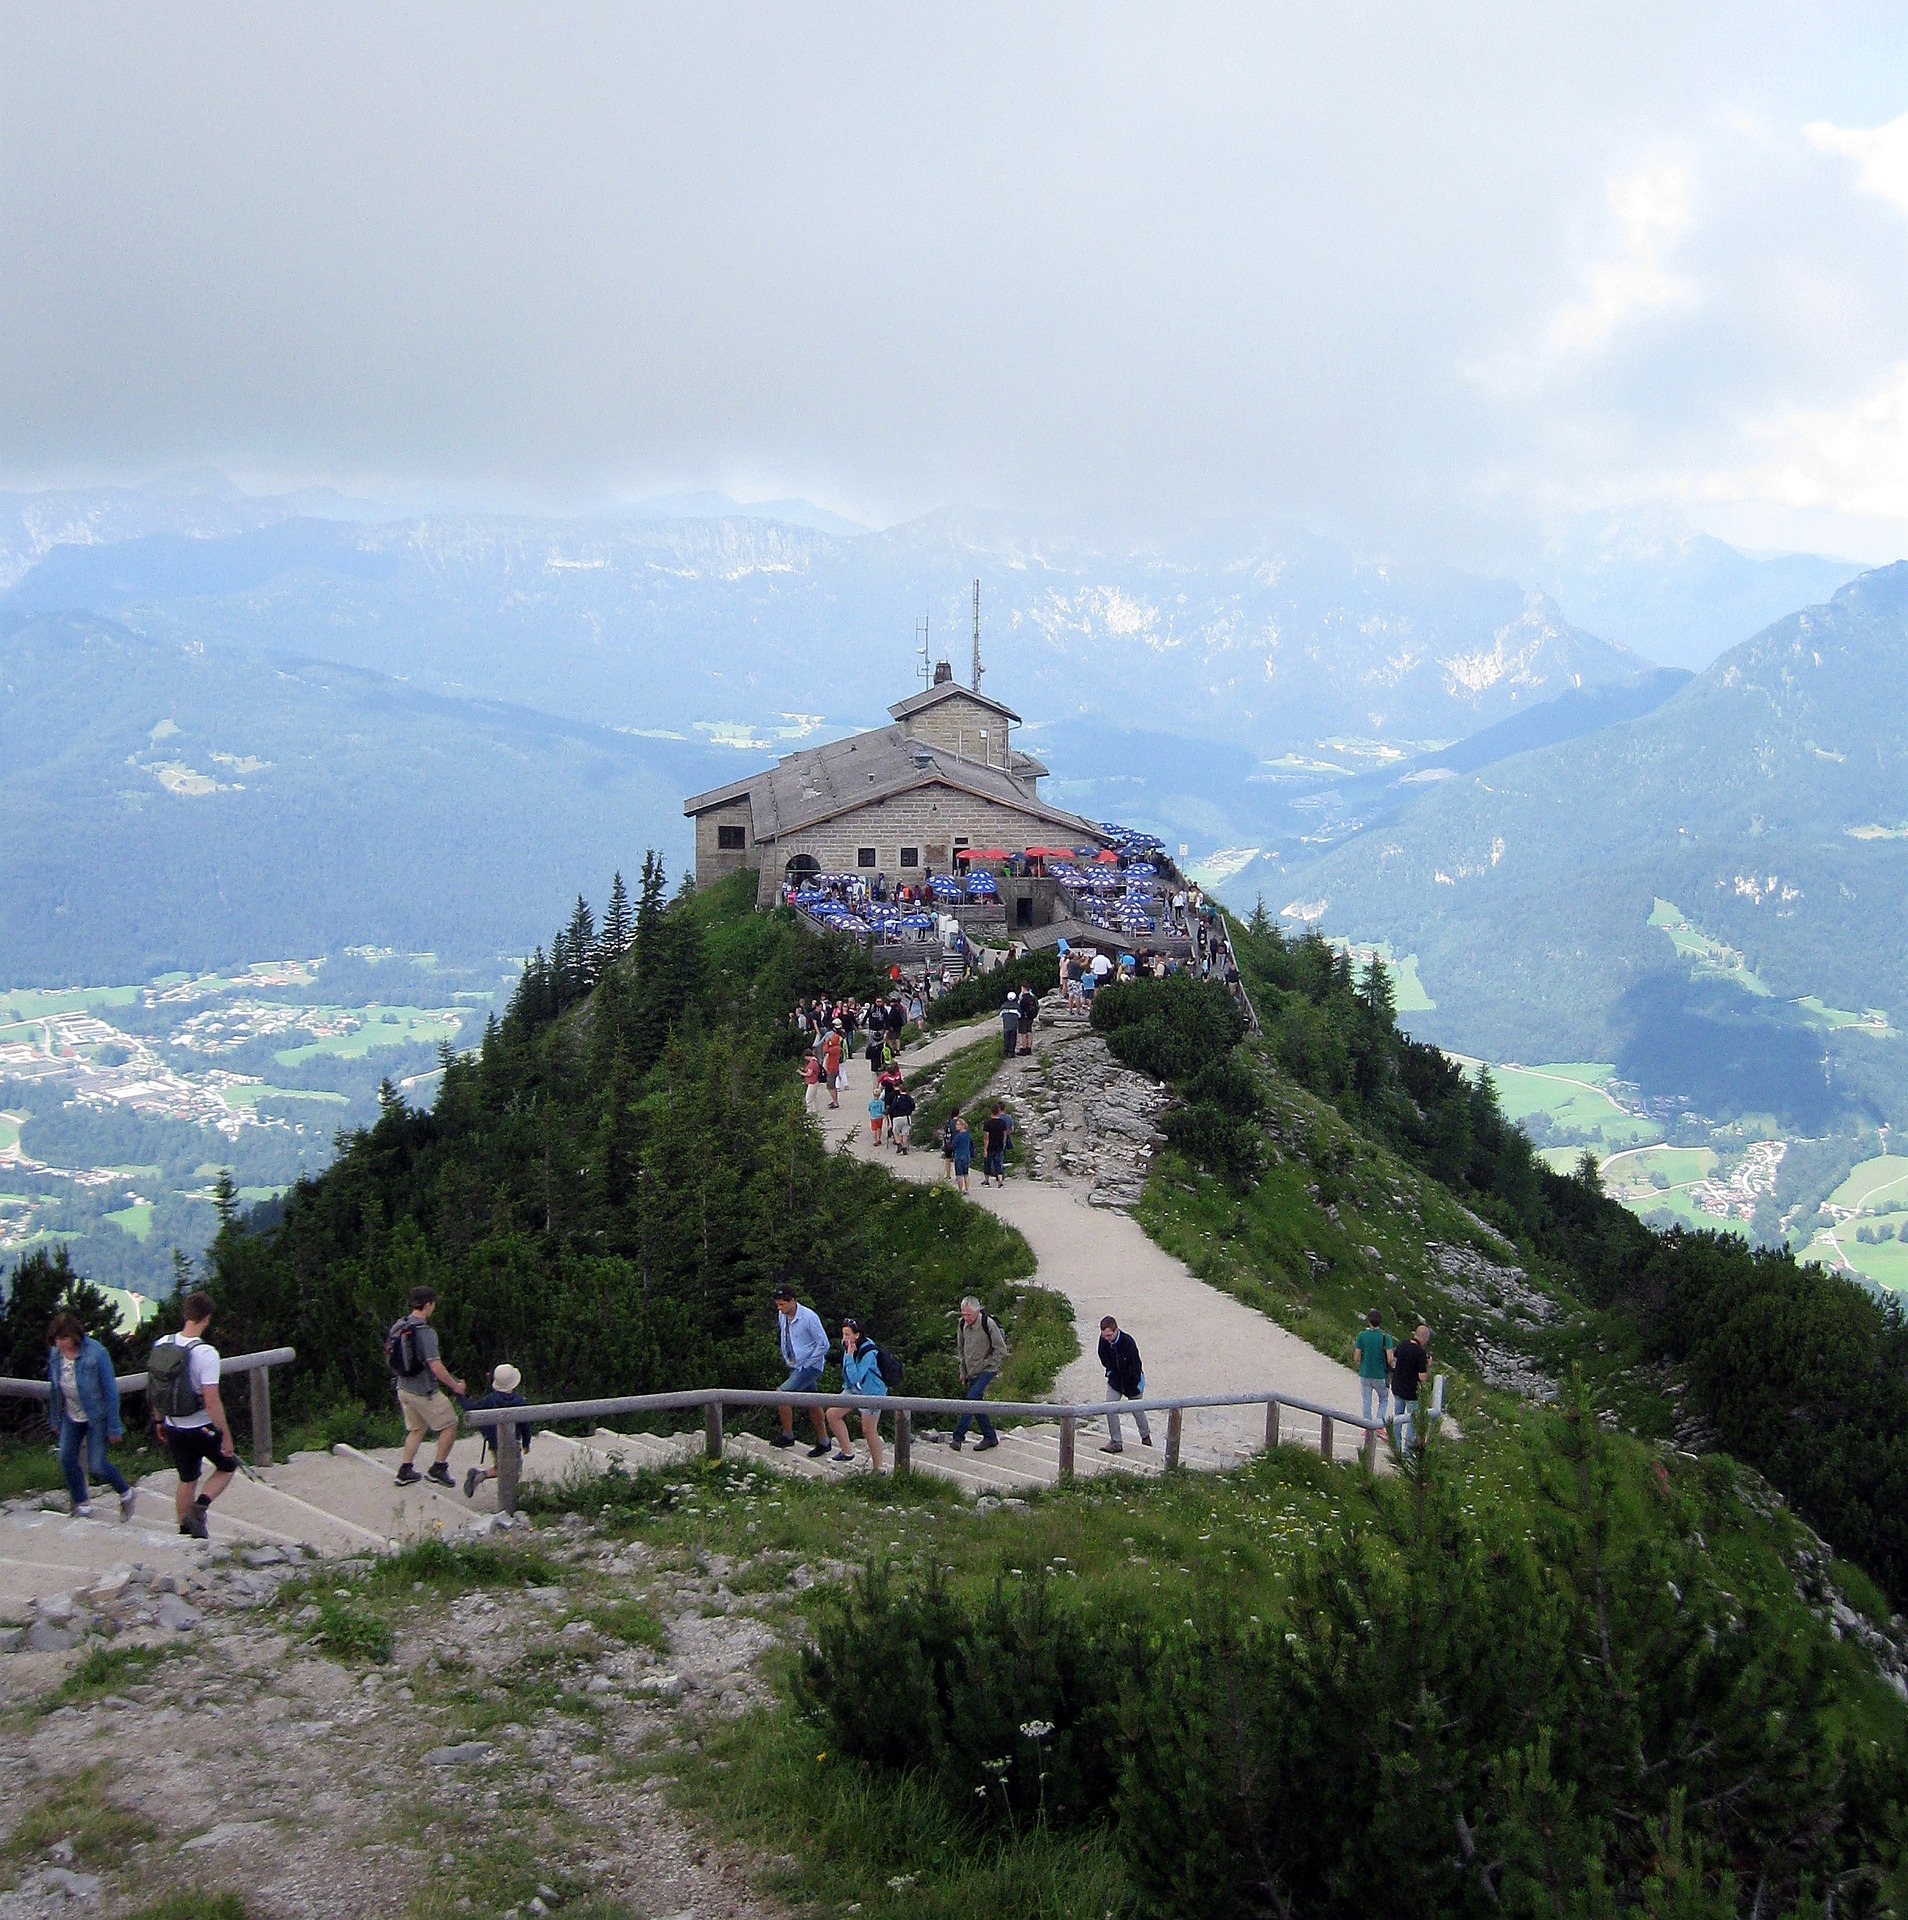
{"x": 421, "y": 1391}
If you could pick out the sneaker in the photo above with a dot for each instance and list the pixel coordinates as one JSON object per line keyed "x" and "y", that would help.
{"x": 127, "y": 1501}
{"x": 783, "y": 1440}
{"x": 470, "y": 1482}
{"x": 82, "y": 1510}
{"x": 843, "y": 1459}
{"x": 440, "y": 1474}
{"x": 958, "y": 1442}
{"x": 1146, "y": 1440}
{"x": 408, "y": 1475}
{"x": 194, "y": 1523}
{"x": 992, "y": 1441}
{"x": 1113, "y": 1446}
{"x": 818, "y": 1449}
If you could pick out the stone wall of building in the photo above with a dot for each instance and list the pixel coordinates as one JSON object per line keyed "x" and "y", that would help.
{"x": 714, "y": 861}
{"x": 957, "y": 724}
{"x": 932, "y": 820}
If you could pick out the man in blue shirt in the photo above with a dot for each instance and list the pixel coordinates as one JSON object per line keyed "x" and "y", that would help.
{"x": 804, "y": 1352}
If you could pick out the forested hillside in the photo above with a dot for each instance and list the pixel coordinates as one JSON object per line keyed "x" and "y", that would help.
{"x": 607, "y": 1190}
{"x": 1768, "y": 801}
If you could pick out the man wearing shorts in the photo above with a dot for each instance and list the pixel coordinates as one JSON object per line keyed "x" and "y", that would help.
{"x": 192, "y": 1439}
{"x": 422, "y": 1399}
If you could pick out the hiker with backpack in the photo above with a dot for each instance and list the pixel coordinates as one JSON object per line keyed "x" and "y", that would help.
{"x": 982, "y": 1349}
{"x": 900, "y": 1118}
{"x": 83, "y": 1411}
{"x": 188, "y": 1414}
{"x": 865, "y": 1370}
{"x": 424, "y": 1386}
{"x": 504, "y": 1382}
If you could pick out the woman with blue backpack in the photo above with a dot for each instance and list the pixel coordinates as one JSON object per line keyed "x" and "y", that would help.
{"x": 864, "y": 1370}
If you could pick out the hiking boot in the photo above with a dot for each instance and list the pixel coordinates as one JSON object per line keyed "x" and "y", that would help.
{"x": 958, "y": 1442}
{"x": 408, "y": 1475}
{"x": 1146, "y": 1439}
{"x": 194, "y": 1523}
{"x": 1113, "y": 1446}
{"x": 470, "y": 1482}
{"x": 82, "y": 1509}
{"x": 127, "y": 1501}
{"x": 992, "y": 1441}
{"x": 818, "y": 1449}
{"x": 440, "y": 1474}
{"x": 783, "y": 1440}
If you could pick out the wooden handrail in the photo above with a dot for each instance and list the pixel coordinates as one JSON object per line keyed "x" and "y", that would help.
{"x": 258, "y": 1365}
{"x": 712, "y": 1402}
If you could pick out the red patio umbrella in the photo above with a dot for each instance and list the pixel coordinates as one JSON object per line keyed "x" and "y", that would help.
{"x": 1106, "y": 857}
{"x": 987, "y": 853}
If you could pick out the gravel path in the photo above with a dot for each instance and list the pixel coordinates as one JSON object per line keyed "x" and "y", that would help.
{"x": 1195, "y": 1339}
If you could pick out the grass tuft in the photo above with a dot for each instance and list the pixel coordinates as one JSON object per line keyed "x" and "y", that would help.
{"x": 104, "y": 1671}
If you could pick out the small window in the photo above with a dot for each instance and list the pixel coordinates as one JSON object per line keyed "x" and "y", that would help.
{"x": 960, "y": 842}
{"x": 910, "y": 856}
{"x": 864, "y": 856}
{"x": 732, "y": 839}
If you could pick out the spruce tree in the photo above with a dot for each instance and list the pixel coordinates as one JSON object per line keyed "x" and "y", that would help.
{"x": 618, "y": 926}
{"x": 582, "y": 938}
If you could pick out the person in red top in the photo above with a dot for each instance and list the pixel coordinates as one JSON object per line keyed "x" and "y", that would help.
{"x": 831, "y": 1067}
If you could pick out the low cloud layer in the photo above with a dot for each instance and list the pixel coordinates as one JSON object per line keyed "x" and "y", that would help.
{"x": 1418, "y": 274}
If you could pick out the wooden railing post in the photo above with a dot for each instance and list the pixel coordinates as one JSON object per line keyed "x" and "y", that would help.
{"x": 904, "y": 1440}
{"x": 1326, "y": 1437}
{"x": 1066, "y": 1446}
{"x": 509, "y": 1465}
{"x": 261, "y": 1416}
{"x": 1271, "y": 1426}
{"x": 1368, "y": 1453}
{"x": 712, "y": 1429}
{"x": 1174, "y": 1420}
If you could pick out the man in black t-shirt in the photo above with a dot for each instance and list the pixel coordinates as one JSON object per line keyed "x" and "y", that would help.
{"x": 994, "y": 1146}
{"x": 1409, "y": 1363}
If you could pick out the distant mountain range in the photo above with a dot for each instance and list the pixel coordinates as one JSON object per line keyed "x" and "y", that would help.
{"x": 1766, "y": 803}
{"x": 165, "y": 803}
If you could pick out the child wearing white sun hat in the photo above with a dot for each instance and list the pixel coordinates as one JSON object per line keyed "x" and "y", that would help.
{"x": 504, "y": 1382}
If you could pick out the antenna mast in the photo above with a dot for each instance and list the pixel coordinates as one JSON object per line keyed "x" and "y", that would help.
{"x": 921, "y": 634}
{"x": 977, "y": 660}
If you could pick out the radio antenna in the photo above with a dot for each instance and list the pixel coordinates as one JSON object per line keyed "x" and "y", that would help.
{"x": 977, "y": 658}
{"x": 921, "y": 634}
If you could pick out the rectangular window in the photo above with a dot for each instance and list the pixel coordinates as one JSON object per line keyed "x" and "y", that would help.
{"x": 960, "y": 843}
{"x": 864, "y": 856}
{"x": 732, "y": 839}
{"x": 910, "y": 856}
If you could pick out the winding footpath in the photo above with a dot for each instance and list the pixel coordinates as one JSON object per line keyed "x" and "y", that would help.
{"x": 1195, "y": 1339}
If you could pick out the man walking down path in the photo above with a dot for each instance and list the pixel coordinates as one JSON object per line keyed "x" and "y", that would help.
{"x": 804, "y": 1345}
{"x": 1409, "y": 1364}
{"x": 994, "y": 1131}
{"x": 1028, "y": 1008}
{"x": 83, "y": 1411}
{"x": 1125, "y": 1380}
{"x": 1374, "y": 1348}
{"x": 983, "y": 1351}
{"x": 182, "y": 1389}
{"x": 1009, "y": 1026}
{"x": 424, "y": 1388}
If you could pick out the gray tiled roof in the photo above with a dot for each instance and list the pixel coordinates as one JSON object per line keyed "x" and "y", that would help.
{"x": 805, "y": 788}
{"x": 947, "y": 690}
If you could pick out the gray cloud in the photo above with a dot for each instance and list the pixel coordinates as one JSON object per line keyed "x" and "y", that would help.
{"x": 1141, "y": 261}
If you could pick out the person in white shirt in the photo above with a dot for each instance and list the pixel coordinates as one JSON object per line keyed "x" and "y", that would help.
{"x": 190, "y": 1418}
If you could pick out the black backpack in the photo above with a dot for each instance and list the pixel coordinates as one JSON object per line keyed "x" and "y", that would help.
{"x": 891, "y": 1370}
{"x": 169, "y": 1390}
{"x": 400, "y": 1350}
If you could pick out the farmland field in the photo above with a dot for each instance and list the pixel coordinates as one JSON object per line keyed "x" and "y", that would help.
{"x": 1572, "y": 1098}
{"x": 380, "y": 1027}
{"x": 1710, "y": 956}
{"x": 1635, "y": 1172}
{"x": 1874, "y": 1182}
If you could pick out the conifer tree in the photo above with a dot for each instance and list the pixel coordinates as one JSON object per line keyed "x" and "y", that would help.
{"x": 557, "y": 992}
{"x": 582, "y": 938}
{"x": 618, "y": 926}
{"x": 1260, "y": 924}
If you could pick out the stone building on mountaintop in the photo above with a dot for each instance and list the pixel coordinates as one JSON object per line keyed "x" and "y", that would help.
{"x": 901, "y": 801}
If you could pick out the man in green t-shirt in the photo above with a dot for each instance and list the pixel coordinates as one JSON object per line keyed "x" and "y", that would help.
{"x": 1374, "y": 1348}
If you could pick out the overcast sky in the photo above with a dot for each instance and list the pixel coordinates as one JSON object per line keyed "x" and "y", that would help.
{"x": 1416, "y": 273}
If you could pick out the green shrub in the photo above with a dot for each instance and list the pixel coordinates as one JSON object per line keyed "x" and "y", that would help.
{"x": 351, "y": 1634}
{"x": 1171, "y": 1028}
{"x": 983, "y": 992}
{"x": 1006, "y": 1704}
{"x": 1221, "y": 1142}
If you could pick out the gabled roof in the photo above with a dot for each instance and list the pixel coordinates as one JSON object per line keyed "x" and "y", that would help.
{"x": 948, "y": 690}
{"x": 803, "y": 789}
